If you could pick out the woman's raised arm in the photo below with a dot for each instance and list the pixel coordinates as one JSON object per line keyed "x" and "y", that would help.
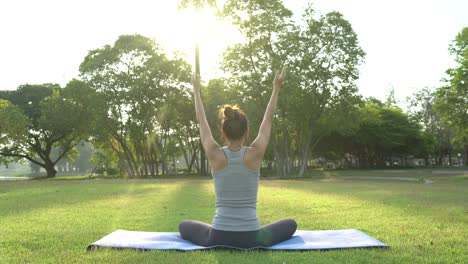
{"x": 261, "y": 142}
{"x": 209, "y": 144}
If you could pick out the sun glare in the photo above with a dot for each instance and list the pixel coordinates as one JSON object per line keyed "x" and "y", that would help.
{"x": 203, "y": 27}
{"x": 200, "y": 23}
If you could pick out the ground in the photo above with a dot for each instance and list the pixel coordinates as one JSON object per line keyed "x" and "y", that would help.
{"x": 50, "y": 221}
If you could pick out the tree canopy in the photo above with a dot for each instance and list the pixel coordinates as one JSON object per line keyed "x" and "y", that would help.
{"x": 38, "y": 118}
{"x": 452, "y": 99}
{"x": 132, "y": 104}
{"x": 140, "y": 87}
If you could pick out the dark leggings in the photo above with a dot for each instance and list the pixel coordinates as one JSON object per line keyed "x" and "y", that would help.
{"x": 204, "y": 235}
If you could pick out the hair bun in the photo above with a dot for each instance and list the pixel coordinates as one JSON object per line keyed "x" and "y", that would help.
{"x": 229, "y": 113}
{"x": 234, "y": 123}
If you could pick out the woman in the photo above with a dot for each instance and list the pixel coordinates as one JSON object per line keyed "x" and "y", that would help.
{"x": 236, "y": 171}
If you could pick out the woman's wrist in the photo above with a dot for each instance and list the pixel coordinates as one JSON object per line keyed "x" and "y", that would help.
{"x": 276, "y": 87}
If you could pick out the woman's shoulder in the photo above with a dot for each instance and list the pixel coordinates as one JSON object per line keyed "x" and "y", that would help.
{"x": 252, "y": 159}
{"x": 219, "y": 160}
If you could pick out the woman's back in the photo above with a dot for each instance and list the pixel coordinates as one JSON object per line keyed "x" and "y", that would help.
{"x": 236, "y": 188}
{"x": 236, "y": 175}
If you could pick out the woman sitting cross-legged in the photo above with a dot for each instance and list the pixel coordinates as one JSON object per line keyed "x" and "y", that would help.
{"x": 236, "y": 170}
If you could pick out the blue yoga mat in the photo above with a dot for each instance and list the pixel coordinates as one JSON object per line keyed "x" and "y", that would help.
{"x": 301, "y": 240}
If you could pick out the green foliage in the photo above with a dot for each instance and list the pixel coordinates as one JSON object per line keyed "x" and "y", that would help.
{"x": 322, "y": 55}
{"x": 195, "y": 3}
{"x": 382, "y": 134}
{"x": 391, "y": 101}
{"x": 14, "y": 123}
{"x": 28, "y": 97}
{"x": 41, "y": 118}
{"x": 452, "y": 100}
{"x": 134, "y": 104}
{"x": 142, "y": 89}
{"x": 438, "y": 136}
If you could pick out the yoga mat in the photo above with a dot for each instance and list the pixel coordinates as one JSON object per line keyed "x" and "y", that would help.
{"x": 301, "y": 240}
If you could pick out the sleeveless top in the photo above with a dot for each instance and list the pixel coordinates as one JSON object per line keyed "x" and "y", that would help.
{"x": 236, "y": 188}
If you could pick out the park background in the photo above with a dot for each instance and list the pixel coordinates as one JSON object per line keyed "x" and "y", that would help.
{"x": 370, "y": 131}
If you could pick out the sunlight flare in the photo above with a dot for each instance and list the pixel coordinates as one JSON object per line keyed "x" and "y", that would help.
{"x": 201, "y": 26}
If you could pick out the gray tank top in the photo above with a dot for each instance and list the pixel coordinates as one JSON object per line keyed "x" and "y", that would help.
{"x": 236, "y": 188}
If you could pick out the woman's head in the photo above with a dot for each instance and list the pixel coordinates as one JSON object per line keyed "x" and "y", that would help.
{"x": 234, "y": 123}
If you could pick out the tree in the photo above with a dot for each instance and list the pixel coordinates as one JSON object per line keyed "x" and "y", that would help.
{"x": 437, "y": 133}
{"x": 322, "y": 54}
{"x": 43, "y": 117}
{"x": 78, "y": 160}
{"x": 196, "y": 3}
{"x": 391, "y": 101}
{"x": 137, "y": 81}
{"x": 329, "y": 55}
{"x": 13, "y": 126}
{"x": 382, "y": 135}
{"x": 452, "y": 99}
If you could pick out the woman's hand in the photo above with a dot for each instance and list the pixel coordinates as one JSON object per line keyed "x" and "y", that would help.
{"x": 196, "y": 83}
{"x": 279, "y": 78}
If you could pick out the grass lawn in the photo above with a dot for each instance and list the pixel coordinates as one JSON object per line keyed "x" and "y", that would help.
{"x": 426, "y": 173}
{"x": 52, "y": 221}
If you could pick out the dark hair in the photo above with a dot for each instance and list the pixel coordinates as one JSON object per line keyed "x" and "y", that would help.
{"x": 234, "y": 122}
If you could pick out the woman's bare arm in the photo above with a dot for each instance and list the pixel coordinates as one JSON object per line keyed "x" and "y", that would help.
{"x": 261, "y": 142}
{"x": 209, "y": 144}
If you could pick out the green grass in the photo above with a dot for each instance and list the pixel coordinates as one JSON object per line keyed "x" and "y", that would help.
{"x": 52, "y": 221}
{"x": 432, "y": 173}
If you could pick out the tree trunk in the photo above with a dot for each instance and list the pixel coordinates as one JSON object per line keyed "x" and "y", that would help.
{"x": 305, "y": 153}
{"x": 280, "y": 166}
{"x": 439, "y": 156}
{"x": 277, "y": 160}
{"x": 287, "y": 166}
{"x": 130, "y": 165}
{"x": 191, "y": 163}
{"x": 186, "y": 159}
{"x": 50, "y": 168}
{"x": 174, "y": 164}
{"x": 202, "y": 160}
{"x": 163, "y": 164}
{"x": 465, "y": 154}
{"x": 307, "y": 149}
{"x": 347, "y": 161}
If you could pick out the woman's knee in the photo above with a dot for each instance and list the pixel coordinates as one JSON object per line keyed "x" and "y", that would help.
{"x": 184, "y": 227}
{"x": 291, "y": 223}
{"x": 287, "y": 226}
{"x": 195, "y": 231}
{"x": 193, "y": 226}
{"x": 187, "y": 227}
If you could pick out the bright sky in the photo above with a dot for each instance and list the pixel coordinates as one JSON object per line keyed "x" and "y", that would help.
{"x": 406, "y": 41}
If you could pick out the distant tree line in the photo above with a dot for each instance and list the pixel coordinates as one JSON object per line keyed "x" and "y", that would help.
{"x": 132, "y": 103}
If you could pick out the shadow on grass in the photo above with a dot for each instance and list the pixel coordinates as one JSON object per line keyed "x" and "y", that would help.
{"x": 34, "y": 196}
{"x": 441, "y": 194}
{"x": 403, "y": 199}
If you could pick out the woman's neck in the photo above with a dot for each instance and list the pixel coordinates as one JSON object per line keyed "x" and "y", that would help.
{"x": 236, "y": 145}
